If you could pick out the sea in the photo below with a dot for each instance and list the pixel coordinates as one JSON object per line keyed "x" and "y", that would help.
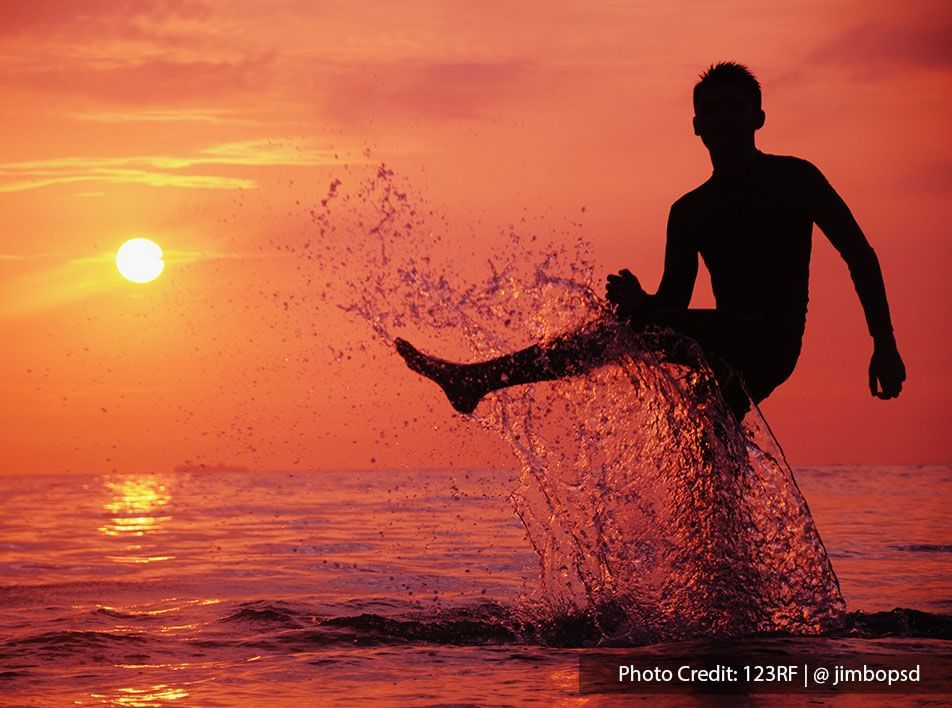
{"x": 396, "y": 587}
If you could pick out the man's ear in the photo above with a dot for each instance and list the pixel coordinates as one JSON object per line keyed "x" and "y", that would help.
{"x": 694, "y": 123}
{"x": 759, "y": 119}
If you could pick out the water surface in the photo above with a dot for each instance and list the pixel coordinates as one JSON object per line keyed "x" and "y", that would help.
{"x": 242, "y": 588}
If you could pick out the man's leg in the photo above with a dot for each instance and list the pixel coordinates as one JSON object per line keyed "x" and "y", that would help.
{"x": 581, "y": 351}
{"x": 569, "y": 355}
{"x": 725, "y": 341}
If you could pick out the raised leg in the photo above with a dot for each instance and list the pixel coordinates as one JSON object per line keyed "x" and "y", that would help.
{"x": 723, "y": 339}
{"x": 466, "y": 384}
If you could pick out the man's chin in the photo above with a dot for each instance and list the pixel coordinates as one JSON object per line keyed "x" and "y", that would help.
{"x": 726, "y": 144}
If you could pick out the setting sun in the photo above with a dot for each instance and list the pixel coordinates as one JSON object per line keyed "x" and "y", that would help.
{"x": 140, "y": 260}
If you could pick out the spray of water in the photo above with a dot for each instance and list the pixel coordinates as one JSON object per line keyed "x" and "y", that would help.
{"x": 652, "y": 510}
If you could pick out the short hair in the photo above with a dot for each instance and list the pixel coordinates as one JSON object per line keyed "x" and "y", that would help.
{"x": 729, "y": 73}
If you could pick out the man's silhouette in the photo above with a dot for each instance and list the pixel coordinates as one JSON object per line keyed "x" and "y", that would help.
{"x": 752, "y": 223}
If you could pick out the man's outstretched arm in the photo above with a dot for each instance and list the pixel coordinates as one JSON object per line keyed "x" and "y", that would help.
{"x": 677, "y": 280}
{"x": 832, "y": 215}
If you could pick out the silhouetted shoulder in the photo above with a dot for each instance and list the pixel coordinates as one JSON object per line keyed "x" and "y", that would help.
{"x": 689, "y": 200}
{"x": 805, "y": 184}
{"x": 793, "y": 166}
{"x": 687, "y": 216}
{"x": 691, "y": 208}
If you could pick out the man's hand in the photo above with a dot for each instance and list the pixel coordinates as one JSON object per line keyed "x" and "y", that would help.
{"x": 625, "y": 293}
{"x": 886, "y": 370}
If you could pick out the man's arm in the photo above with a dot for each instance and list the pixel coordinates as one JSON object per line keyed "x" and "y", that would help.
{"x": 832, "y": 215}
{"x": 677, "y": 281}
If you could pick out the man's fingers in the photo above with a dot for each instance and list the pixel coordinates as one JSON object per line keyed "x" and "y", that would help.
{"x": 631, "y": 279}
{"x": 886, "y": 389}
{"x": 617, "y": 286}
{"x": 624, "y": 291}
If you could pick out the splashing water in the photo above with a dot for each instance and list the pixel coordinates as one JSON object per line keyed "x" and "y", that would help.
{"x": 651, "y": 509}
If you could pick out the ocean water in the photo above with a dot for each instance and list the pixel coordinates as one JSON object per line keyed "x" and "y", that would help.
{"x": 403, "y": 586}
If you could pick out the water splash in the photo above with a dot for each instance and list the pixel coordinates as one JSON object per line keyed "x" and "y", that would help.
{"x": 652, "y": 510}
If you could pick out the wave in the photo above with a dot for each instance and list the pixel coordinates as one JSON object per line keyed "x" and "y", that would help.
{"x": 924, "y": 548}
{"x": 900, "y": 622}
{"x": 283, "y": 628}
{"x": 70, "y": 643}
{"x": 490, "y": 624}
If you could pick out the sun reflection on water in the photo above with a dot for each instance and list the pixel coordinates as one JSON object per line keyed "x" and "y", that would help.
{"x": 150, "y": 696}
{"x": 137, "y": 505}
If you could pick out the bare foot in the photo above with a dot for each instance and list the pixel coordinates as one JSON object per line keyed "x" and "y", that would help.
{"x": 451, "y": 377}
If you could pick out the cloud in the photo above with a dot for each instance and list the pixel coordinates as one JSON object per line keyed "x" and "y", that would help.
{"x": 50, "y": 16}
{"x": 165, "y": 170}
{"x": 179, "y": 256}
{"x": 21, "y": 257}
{"x": 931, "y": 175}
{"x": 264, "y": 152}
{"x": 875, "y": 49}
{"x": 185, "y": 115}
{"x": 69, "y": 280}
{"x": 143, "y": 81}
{"x": 434, "y": 90}
{"x": 128, "y": 52}
{"x": 151, "y": 179}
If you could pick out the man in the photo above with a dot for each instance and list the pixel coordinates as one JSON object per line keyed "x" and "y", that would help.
{"x": 752, "y": 224}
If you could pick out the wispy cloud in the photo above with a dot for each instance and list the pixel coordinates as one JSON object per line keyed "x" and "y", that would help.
{"x": 433, "y": 89}
{"x": 195, "y": 115}
{"x": 22, "y": 257}
{"x": 65, "y": 280}
{"x": 129, "y": 53}
{"x": 182, "y": 256}
{"x": 140, "y": 80}
{"x": 151, "y": 179}
{"x": 874, "y": 49}
{"x": 164, "y": 170}
{"x": 65, "y": 15}
{"x": 55, "y": 285}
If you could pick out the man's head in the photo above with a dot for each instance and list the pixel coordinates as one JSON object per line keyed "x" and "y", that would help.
{"x": 727, "y": 106}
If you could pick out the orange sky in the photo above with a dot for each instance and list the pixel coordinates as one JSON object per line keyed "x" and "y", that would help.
{"x": 213, "y": 128}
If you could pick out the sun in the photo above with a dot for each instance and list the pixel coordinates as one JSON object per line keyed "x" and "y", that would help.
{"x": 140, "y": 260}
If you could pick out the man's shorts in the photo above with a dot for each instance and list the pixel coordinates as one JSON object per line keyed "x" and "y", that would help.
{"x": 746, "y": 354}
